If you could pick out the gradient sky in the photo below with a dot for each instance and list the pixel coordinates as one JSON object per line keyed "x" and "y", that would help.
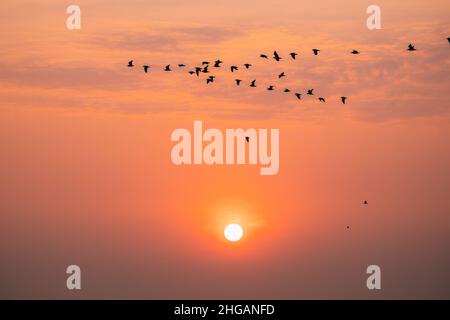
{"x": 86, "y": 176}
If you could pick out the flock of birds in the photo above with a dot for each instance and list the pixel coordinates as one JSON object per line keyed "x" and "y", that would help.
{"x": 206, "y": 67}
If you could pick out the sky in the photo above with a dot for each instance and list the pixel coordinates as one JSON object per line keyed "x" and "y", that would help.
{"x": 86, "y": 176}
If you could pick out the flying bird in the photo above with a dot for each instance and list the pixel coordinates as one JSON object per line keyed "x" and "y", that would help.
{"x": 205, "y": 63}
{"x": 365, "y": 202}
{"x": 191, "y": 72}
{"x": 293, "y": 55}
{"x": 253, "y": 84}
{"x": 247, "y": 139}
{"x": 247, "y": 65}
{"x": 238, "y": 81}
{"x": 130, "y": 64}
{"x": 145, "y": 68}
{"x": 217, "y": 63}
{"x": 344, "y": 99}
{"x": 448, "y": 39}
{"x": 411, "y": 47}
{"x": 181, "y": 65}
{"x": 355, "y": 52}
{"x": 287, "y": 90}
{"x": 298, "y": 95}
{"x": 198, "y": 70}
{"x": 233, "y": 68}
{"x": 210, "y": 79}
{"x": 205, "y": 69}
{"x": 310, "y": 92}
{"x": 321, "y": 99}
{"x": 270, "y": 88}
{"x": 316, "y": 51}
{"x": 263, "y": 56}
{"x": 276, "y": 56}
{"x": 281, "y": 75}
{"x": 167, "y": 68}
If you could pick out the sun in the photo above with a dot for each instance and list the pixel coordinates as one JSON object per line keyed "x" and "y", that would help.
{"x": 233, "y": 232}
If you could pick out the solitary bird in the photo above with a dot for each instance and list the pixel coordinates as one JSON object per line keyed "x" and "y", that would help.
{"x": 365, "y": 202}
{"x": 287, "y": 90}
{"x": 316, "y": 51}
{"x": 270, "y": 88}
{"x": 411, "y": 47}
{"x": 130, "y": 64}
{"x": 344, "y": 99}
{"x": 167, "y": 68}
{"x": 298, "y": 95}
{"x": 247, "y": 65}
{"x": 233, "y": 68}
{"x": 310, "y": 92}
{"x": 181, "y": 65}
{"x": 355, "y": 52}
{"x": 253, "y": 84}
{"x": 293, "y": 55}
{"x": 281, "y": 75}
{"x": 205, "y": 69}
{"x": 217, "y": 63}
{"x": 145, "y": 68}
{"x": 264, "y": 56}
{"x": 276, "y": 56}
{"x": 247, "y": 139}
{"x": 238, "y": 81}
{"x": 321, "y": 99}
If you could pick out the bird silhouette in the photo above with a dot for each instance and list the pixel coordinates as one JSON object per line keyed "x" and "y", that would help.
{"x": 264, "y": 56}
{"x": 167, "y": 68}
{"x": 321, "y": 99}
{"x": 344, "y": 99}
{"x": 270, "y": 88}
{"x": 238, "y": 81}
{"x": 130, "y": 64}
{"x": 287, "y": 90}
{"x": 310, "y": 92}
{"x": 204, "y": 63}
{"x": 411, "y": 47}
{"x": 355, "y": 52}
{"x": 293, "y": 55}
{"x": 276, "y": 56}
{"x": 210, "y": 79}
{"x": 145, "y": 68}
{"x": 348, "y": 227}
{"x": 298, "y": 95}
{"x": 365, "y": 202}
{"x": 191, "y": 72}
{"x": 233, "y": 68}
{"x": 205, "y": 69}
{"x": 198, "y": 70}
{"x": 253, "y": 84}
{"x": 448, "y": 39}
{"x": 247, "y": 139}
{"x": 247, "y": 65}
{"x": 281, "y": 75}
{"x": 181, "y": 65}
{"x": 217, "y": 63}
{"x": 316, "y": 51}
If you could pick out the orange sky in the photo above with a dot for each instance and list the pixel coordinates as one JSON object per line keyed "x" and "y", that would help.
{"x": 86, "y": 176}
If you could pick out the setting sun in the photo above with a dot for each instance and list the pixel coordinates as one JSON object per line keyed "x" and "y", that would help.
{"x": 233, "y": 232}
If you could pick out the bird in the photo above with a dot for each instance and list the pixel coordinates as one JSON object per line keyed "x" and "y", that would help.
{"x": 298, "y": 95}
{"x": 276, "y": 56}
{"x": 270, "y": 88}
{"x": 253, "y": 84}
{"x": 344, "y": 99}
{"x": 448, "y": 39}
{"x": 238, "y": 81}
{"x": 263, "y": 56}
{"x": 310, "y": 92}
{"x": 167, "y": 68}
{"x": 233, "y": 68}
{"x": 181, "y": 65}
{"x": 204, "y": 63}
{"x": 198, "y": 70}
{"x": 130, "y": 64}
{"x": 411, "y": 47}
{"x": 355, "y": 52}
{"x": 247, "y": 65}
{"x": 205, "y": 69}
{"x": 287, "y": 90}
{"x": 145, "y": 68}
{"x": 281, "y": 75}
{"x": 316, "y": 51}
{"x": 293, "y": 55}
{"x": 321, "y": 99}
{"x": 210, "y": 79}
{"x": 247, "y": 139}
{"x": 217, "y": 63}
{"x": 365, "y": 202}
{"x": 348, "y": 227}
{"x": 191, "y": 72}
